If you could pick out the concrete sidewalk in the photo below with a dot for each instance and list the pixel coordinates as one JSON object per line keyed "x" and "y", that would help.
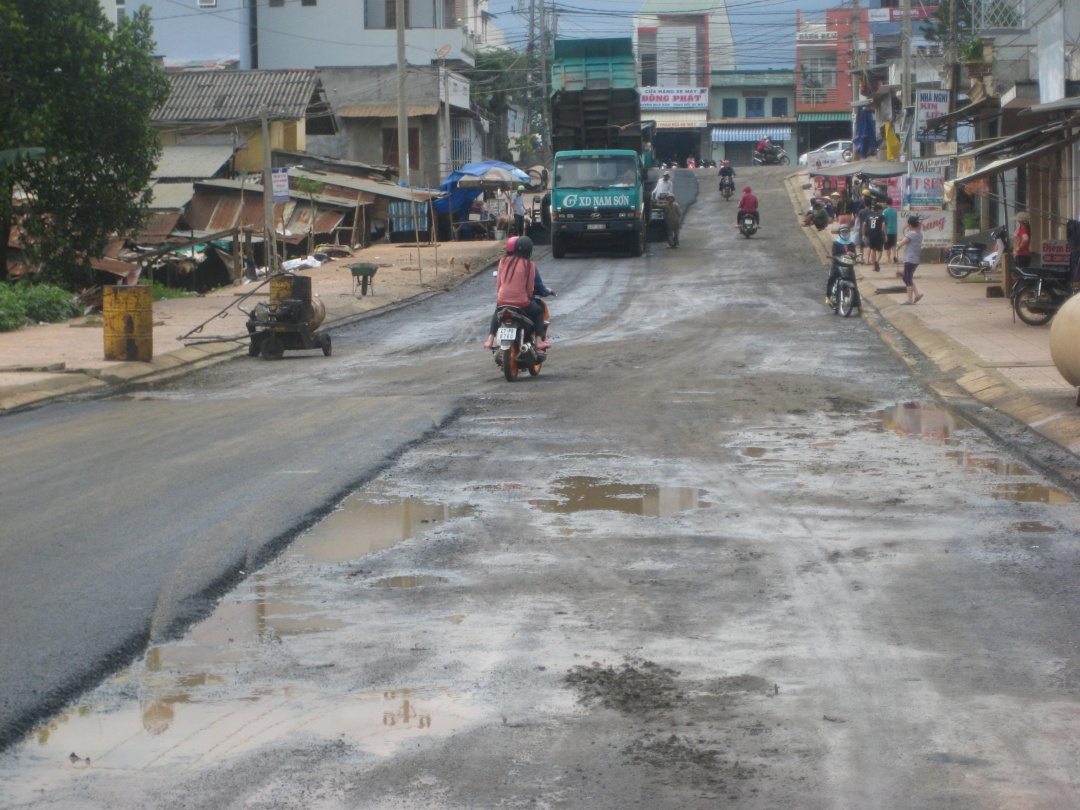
{"x": 40, "y": 362}
{"x": 980, "y": 349}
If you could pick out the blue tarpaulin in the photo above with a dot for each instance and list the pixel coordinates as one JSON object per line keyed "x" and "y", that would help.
{"x": 865, "y": 139}
{"x": 461, "y": 198}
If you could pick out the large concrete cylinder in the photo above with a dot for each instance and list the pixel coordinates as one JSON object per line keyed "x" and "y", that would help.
{"x": 1065, "y": 341}
{"x": 128, "y": 313}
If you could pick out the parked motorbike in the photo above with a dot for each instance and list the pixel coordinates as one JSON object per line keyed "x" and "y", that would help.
{"x": 1039, "y": 292}
{"x": 514, "y": 347}
{"x": 963, "y": 260}
{"x": 845, "y": 291}
{"x": 709, "y": 164}
{"x": 747, "y": 226}
{"x": 777, "y": 158}
{"x": 727, "y": 187}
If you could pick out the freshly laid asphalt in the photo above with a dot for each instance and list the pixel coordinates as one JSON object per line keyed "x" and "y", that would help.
{"x": 722, "y": 551}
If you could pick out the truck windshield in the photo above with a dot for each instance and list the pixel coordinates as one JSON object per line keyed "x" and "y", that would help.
{"x": 596, "y": 172}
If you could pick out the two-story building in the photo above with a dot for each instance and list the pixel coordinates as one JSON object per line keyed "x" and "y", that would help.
{"x": 824, "y": 85}
{"x": 677, "y": 44}
{"x": 748, "y": 105}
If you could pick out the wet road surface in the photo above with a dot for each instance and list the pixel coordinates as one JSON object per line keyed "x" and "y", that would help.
{"x": 721, "y": 552}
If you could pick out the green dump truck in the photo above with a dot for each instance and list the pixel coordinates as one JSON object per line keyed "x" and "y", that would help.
{"x": 602, "y": 155}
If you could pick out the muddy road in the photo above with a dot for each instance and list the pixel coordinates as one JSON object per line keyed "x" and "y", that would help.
{"x": 721, "y": 552}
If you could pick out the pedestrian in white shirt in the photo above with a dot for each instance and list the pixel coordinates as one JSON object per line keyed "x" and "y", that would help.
{"x": 664, "y": 187}
{"x": 517, "y": 200}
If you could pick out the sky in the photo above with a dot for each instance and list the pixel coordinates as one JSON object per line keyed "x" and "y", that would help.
{"x": 763, "y": 30}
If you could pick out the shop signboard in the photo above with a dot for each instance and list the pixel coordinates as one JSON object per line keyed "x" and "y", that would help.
{"x": 827, "y": 185}
{"x": 895, "y": 15}
{"x": 937, "y": 227}
{"x": 929, "y": 104}
{"x": 1055, "y": 253}
{"x": 674, "y": 98}
{"x": 925, "y": 189}
{"x": 280, "y": 181}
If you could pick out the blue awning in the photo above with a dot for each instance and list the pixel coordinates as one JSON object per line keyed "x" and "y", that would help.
{"x": 737, "y": 133}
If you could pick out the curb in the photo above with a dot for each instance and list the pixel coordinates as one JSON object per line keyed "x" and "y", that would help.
{"x": 962, "y": 374}
{"x": 177, "y": 363}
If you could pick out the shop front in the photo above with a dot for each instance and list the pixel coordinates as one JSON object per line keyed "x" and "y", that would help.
{"x": 736, "y": 142}
{"x": 681, "y": 116}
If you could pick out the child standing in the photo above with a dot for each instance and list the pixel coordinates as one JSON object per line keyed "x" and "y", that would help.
{"x": 912, "y": 246}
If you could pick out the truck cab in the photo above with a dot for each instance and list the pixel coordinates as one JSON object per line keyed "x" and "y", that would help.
{"x": 598, "y": 195}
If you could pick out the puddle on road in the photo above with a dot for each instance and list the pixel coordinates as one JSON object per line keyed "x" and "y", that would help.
{"x": 753, "y": 452}
{"x": 409, "y": 582}
{"x": 193, "y": 728}
{"x": 976, "y": 463}
{"x": 1034, "y": 527}
{"x": 922, "y": 420}
{"x": 587, "y": 494}
{"x": 369, "y": 521}
{"x": 1030, "y": 493}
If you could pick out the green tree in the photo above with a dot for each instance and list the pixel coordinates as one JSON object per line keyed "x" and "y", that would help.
{"x": 82, "y": 89}
{"x": 498, "y": 80}
{"x": 936, "y": 28}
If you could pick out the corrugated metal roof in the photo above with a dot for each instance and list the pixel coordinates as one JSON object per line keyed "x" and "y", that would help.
{"x": 158, "y": 229}
{"x": 386, "y": 110}
{"x": 191, "y": 162}
{"x": 255, "y": 189}
{"x": 817, "y": 117}
{"x": 753, "y": 78}
{"x": 238, "y": 95}
{"x": 171, "y": 195}
{"x": 344, "y": 181}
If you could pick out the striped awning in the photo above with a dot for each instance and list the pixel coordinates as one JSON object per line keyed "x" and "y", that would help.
{"x": 734, "y": 133}
{"x": 820, "y": 117}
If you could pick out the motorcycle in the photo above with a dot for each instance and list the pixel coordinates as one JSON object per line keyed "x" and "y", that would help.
{"x": 709, "y": 164}
{"x": 777, "y": 158}
{"x": 747, "y": 226}
{"x": 963, "y": 260}
{"x": 845, "y": 290}
{"x": 727, "y": 187}
{"x": 1039, "y": 292}
{"x": 513, "y": 347}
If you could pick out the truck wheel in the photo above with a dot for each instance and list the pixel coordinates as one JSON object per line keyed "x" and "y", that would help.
{"x": 637, "y": 243}
{"x": 558, "y": 246}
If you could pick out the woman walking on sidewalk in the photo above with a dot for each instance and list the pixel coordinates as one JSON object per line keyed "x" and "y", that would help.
{"x": 912, "y": 245}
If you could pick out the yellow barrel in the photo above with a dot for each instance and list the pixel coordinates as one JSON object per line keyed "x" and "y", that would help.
{"x": 128, "y": 313}
{"x": 283, "y": 288}
{"x": 1065, "y": 341}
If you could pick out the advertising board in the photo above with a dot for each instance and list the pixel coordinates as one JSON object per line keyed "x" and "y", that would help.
{"x": 280, "y": 180}
{"x": 1055, "y": 253}
{"x": 937, "y": 227}
{"x": 674, "y": 98}
{"x": 929, "y": 104}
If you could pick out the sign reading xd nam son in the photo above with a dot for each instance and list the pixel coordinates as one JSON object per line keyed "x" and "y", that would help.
{"x": 674, "y": 98}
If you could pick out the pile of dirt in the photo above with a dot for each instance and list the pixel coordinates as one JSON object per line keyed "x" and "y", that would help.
{"x": 634, "y": 689}
{"x": 671, "y": 753}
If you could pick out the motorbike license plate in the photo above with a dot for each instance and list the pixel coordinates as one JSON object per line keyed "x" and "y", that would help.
{"x": 599, "y": 226}
{"x": 508, "y": 333}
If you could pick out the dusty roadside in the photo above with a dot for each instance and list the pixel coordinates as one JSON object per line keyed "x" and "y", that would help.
{"x": 53, "y": 360}
{"x": 967, "y": 351}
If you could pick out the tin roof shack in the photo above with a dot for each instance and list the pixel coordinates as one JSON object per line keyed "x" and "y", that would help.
{"x": 223, "y": 108}
{"x": 747, "y": 105}
{"x": 364, "y": 100}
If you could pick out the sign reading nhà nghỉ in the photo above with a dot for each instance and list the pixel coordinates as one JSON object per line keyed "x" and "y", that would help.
{"x": 930, "y": 104}
{"x": 1055, "y": 253}
{"x": 674, "y": 98}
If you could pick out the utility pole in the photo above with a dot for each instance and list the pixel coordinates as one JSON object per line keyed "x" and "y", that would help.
{"x": 953, "y": 56}
{"x": 906, "y": 44}
{"x": 544, "y": 73}
{"x": 269, "y": 236}
{"x": 856, "y": 32}
{"x": 402, "y": 108}
{"x": 446, "y": 120}
{"x": 554, "y": 21}
{"x": 529, "y": 62}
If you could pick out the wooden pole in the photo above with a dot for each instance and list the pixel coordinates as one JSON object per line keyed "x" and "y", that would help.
{"x": 416, "y": 233}
{"x": 238, "y": 263}
{"x": 434, "y": 233}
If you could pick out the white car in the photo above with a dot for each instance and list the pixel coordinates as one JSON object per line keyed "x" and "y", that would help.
{"x": 828, "y": 155}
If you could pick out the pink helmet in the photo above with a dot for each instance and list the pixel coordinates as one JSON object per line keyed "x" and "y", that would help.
{"x": 510, "y": 244}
